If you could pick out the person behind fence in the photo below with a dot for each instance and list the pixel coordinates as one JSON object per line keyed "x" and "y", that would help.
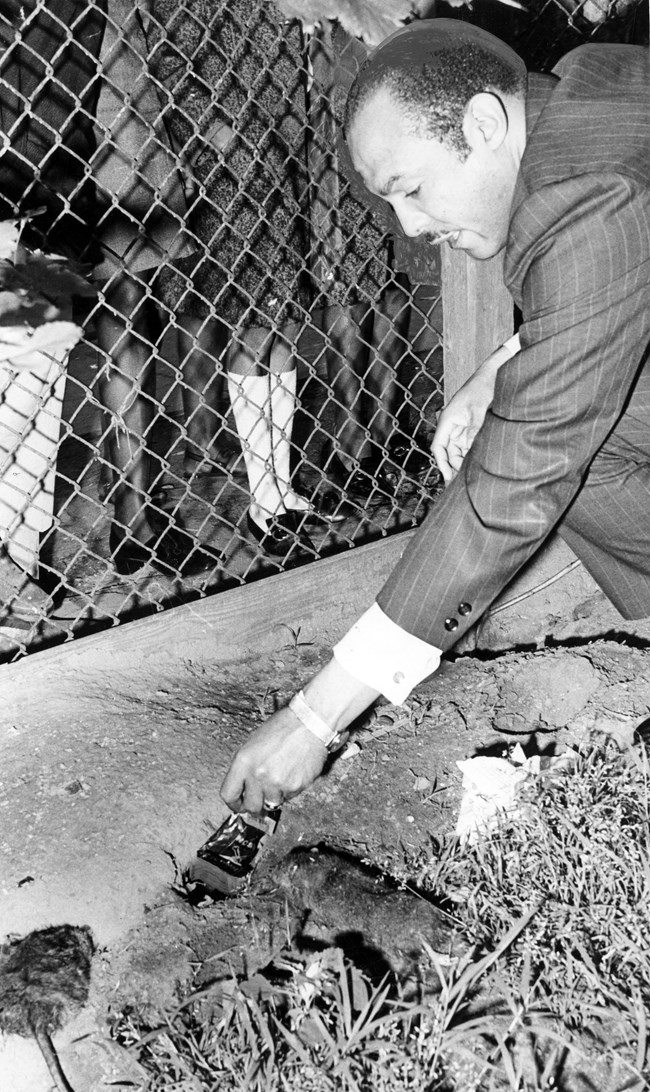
{"x": 233, "y": 71}
{"x": 142, "y": 186}
{"x": 52, "y": 170}
{"x": 47, "y": 96}
{"x": 552, "y": 432}
{"x": 363, "y": 302}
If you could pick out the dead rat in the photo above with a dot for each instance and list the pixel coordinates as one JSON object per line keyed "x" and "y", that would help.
{"x": 44, "y": 980}
{"x": 338, "y": 899}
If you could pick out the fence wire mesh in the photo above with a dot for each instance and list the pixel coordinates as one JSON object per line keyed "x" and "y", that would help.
{"x": 260, "y": 368}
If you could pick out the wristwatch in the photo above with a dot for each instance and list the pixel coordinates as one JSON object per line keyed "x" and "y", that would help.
{"x": 331, "y": 739}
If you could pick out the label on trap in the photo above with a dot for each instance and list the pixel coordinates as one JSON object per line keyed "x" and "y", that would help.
{"x": 228, "y": 856}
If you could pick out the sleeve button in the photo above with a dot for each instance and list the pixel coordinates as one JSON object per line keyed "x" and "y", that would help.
{"x": 451, "y": 624}
{"x": 398, "y": 677}
{"x": 464, "y": 608}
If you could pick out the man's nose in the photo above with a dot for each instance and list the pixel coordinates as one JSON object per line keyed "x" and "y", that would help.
{"x": 413, "y": 221}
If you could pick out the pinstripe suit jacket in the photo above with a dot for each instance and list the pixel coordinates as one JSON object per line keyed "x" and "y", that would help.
{"x": 577, "y": 263}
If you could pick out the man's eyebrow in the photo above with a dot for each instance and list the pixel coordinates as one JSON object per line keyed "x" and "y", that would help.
{"x": 385, "y": 189}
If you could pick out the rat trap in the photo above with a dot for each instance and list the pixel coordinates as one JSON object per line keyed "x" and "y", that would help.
{"x": 224, "y": 862}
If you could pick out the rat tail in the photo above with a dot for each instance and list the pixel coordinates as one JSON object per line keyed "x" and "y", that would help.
{"x": 44, "y": 1041}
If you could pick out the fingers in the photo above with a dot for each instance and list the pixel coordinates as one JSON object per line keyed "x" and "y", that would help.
{"x": 233, "y": 788}
{"x": 242, "y": 790}
{"x": 249, "y": 794}
{"x": 248, "y": 786}
{"x": 253, "y": 797}
{"x": 456, "y": 454}
{"x": 446, "y": 433}
{"x": 439, "y": 452}
{"x": 278, "y": 761}
{"x": 449, "y": 456}
{"x": 442, "y": 462}
{"x": 449, "y": 448}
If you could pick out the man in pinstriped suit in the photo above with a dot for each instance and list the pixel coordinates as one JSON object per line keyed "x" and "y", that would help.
{"x": 553, "y": 430}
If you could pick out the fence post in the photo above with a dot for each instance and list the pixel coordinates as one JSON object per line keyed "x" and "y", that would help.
{"x": 327, "y": 242}
{"x": 477, "y": 314}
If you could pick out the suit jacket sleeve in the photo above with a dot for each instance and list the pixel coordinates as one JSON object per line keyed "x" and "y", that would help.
{"x": 578, "y": 265}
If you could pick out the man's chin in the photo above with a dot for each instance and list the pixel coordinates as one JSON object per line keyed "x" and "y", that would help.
{"x": 482, "y": 252}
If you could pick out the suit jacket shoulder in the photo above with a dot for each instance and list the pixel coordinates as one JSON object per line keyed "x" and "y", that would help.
{"x": 596, "y": 118}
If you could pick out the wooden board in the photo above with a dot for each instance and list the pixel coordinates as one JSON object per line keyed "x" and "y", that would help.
{"x": 477, "y": 314}
{"x": 320, "y": 601}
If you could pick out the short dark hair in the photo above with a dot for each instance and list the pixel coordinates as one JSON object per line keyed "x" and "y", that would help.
{"x": 433, "y": 92}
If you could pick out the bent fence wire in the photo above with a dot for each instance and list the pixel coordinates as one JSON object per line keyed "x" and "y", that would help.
{"x": 261, "y": 362}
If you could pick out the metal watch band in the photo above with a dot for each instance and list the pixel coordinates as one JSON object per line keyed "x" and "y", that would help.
{"x": 311, "y": 720}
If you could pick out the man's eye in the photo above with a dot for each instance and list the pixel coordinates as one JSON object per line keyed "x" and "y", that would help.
{"x": 414, "y": 193}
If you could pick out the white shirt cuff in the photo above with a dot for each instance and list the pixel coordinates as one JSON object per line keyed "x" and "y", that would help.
{"x": 513, "y": 345}
{"x": 381, "y": 654}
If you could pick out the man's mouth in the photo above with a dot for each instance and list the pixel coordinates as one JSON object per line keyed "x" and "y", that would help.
{"x": 443, "y": 237}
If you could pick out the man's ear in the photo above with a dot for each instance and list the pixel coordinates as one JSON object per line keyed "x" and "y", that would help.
{"x": 486, "y": 121}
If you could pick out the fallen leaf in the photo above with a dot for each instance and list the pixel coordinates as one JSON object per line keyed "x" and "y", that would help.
{"x": 24, "y": 348}
{"x": 370, "y": 20}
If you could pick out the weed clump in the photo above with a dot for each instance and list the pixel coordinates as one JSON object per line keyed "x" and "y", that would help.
{"x": 551, "y": 991}
{"x": 579, "y": 854}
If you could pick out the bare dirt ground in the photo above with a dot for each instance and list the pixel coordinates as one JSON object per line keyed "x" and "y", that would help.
{"x": 110, "y": 773}
{"x": 110, "y": 784}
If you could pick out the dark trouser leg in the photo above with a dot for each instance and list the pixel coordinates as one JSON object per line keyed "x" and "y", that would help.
{"x": 369, "y": 342}
{"x": 127, "y": 331}
{"x": 608, "y": 524}
{"x": 387, "y": 350}
{"x": 203, "y": 344}
{"x": 127, "y": 327}
{"x": 346, "y": 357}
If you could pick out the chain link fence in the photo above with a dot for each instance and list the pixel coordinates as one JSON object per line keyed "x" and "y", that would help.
{"x": 260, "y": 369}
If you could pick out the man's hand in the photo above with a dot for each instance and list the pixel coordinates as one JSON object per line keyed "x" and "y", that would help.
{"x": 458, "y": 424}
{"x": 280, "y": 759}
{"x": 463, "y": 416}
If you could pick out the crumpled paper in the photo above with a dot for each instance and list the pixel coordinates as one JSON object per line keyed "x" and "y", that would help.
{"x": 490, "y": 789}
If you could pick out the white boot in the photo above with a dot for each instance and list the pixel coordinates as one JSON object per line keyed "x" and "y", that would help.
{"x": 250, "y": 396}
{"x": 283, "y": 408}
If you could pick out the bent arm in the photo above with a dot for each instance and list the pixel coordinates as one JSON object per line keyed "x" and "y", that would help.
{"x": 464, "y": 414}
{"x": 581, "y": 278}
{"x": 585, "y": 330}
